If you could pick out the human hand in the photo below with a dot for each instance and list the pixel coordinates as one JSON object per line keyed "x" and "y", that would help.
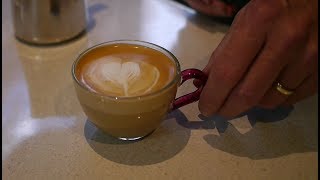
{"x": 269, "y": 42}
{"x": 216, "y": 8}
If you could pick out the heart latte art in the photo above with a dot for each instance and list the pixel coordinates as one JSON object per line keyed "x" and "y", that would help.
{"x": 120, "y": 77}
{"x": 125, "y": 70}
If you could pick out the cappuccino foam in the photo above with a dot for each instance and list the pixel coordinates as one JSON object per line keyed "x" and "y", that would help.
{"x": 113, "y": 75}
{"x": 134, "y": 72}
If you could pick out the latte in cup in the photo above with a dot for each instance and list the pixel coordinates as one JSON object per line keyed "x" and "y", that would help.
{"x": 126, "y": 88}
{"x": 125, "y": 70}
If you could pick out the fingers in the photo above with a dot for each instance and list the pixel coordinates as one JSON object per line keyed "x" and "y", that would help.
{"x": 233, "y": 56}
{"x": 308, "y": 88}
{"x": 252, "y": 56}
{"x": 268, "y": 65}
{"x": 207, "y": 2}
{"x": 212, "y": 7}
{"x": 294, "y": 74}
{"x": 310, "y": 85}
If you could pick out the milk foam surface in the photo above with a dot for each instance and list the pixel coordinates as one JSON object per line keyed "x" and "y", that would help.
{"x": 121, "y": 77}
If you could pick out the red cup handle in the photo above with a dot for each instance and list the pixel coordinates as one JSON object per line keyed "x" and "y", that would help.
{"x": 194, "y": 96}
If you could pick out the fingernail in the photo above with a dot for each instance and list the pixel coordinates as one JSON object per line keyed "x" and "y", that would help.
{"x": 207, "y": 2}
{"x": 204, "y": 111}
{"x": 205, "y": 114}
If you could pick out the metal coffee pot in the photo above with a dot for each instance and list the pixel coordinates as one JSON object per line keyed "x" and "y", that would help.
{"x": 48, "y": 21}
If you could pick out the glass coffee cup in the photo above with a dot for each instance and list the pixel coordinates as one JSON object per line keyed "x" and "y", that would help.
{"x": 132, "y": 117}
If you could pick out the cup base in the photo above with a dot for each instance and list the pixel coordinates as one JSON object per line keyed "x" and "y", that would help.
{"x": 134, "y": 138}
{"x": 130, "y": 139}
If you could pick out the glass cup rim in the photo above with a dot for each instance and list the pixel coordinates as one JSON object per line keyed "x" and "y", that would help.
{"x": 134, "y": 42}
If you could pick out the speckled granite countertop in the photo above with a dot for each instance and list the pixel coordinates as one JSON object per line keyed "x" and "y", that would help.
{"x": 45, "y": 134}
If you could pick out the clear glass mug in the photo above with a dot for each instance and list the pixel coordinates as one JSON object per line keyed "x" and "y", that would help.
{"x": 132, "y": 118}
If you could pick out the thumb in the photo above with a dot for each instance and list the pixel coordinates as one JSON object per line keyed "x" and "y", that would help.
{"x": 197, "y": 83}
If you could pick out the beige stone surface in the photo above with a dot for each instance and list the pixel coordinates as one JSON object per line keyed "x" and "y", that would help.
{"x": 45, "y": 134}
